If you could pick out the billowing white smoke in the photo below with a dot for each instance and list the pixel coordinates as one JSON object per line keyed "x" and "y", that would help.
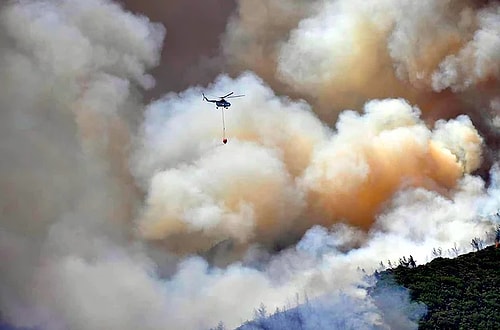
{"x": 328, "y": 262}
{"x": 255, "y": 33}
{"x": 77, "y": 252}
{"x": 478, "y": 60}
{"x": 256, "y": 188}
{"x": 441, "y": 44}
{"x": 69, "y": 71}
{"x": 340, "y": 54}
{"x": 282, "y": 170}
{"x": 244, "y": 190}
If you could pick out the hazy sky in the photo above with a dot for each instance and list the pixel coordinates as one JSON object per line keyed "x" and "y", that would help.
{"x": 193, "y": 28}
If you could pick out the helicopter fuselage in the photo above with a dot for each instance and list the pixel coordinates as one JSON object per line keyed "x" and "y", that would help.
{"x": 222, "y": 104}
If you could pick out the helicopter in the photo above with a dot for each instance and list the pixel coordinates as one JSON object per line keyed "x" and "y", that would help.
{"x": 221, "y": 102}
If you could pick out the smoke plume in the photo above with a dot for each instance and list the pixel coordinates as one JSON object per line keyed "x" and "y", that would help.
{"x": 439, "y": 55}
{"x": 283, "y": 170}
{"x": 122, "y": 215}
{"x": 70, "y": 72}
{"x": 193, "y": 30}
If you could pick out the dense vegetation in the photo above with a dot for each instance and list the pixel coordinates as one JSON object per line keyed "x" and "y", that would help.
{"x": 460, "y": 293}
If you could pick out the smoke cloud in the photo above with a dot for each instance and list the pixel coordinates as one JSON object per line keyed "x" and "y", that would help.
{"x": 123, "y": 215}
{"x": 340, "y": 54}
{"x": 193, "y": 31}
{"x": 345, "y": 312}
{"x": 256, "y": 31}
{"x": 70, "y": 72}
{"x": 283, "y": 170}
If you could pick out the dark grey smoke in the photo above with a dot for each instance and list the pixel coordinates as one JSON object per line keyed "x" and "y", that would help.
{"x": 190, "y": 55}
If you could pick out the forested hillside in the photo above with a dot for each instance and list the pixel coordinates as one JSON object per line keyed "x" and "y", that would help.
{"x": 460, "y": 293}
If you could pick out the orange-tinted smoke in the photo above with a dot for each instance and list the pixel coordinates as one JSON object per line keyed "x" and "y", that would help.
{"x": 279, "y": 175}
{"x": 390, "y": 49}
{"x": 390, "y": 171}
{"x": 371, "y": 159}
